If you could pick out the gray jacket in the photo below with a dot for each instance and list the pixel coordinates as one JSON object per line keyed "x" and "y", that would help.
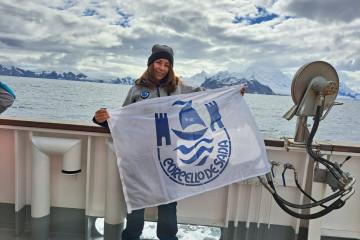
{"x": 142, "y": 91}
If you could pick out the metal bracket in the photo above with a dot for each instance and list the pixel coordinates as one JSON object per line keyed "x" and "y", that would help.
{"x": 320, "y": 175}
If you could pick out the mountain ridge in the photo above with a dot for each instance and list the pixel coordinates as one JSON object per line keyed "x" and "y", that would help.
{"x": 259, "y": 80}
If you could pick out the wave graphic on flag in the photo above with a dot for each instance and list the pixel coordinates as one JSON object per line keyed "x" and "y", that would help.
{"x": 178, "y": 146}
{"x": 188, "y": 116}
{"x": 199, "y": 152}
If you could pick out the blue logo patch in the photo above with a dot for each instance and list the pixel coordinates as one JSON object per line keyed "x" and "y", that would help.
{"x": 201, "y": 144}
{"x": 144, "y": 95}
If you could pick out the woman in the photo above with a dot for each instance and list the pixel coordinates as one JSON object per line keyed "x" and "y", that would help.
{"x": 158, "y": 80}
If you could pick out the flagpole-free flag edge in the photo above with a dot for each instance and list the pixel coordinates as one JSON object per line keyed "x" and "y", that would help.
{"x": 215, "y": 105}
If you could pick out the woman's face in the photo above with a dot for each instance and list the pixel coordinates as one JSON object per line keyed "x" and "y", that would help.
{"x": 161, "y": 68}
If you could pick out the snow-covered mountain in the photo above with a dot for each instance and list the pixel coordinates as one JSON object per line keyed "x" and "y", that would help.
{"x": 273, "y": 78}
{"x": 124, "y": 81}
{"x": 223, "y": 79}
{"x": 196, "y": 80}
{"x": 14, "y": 71}
{"x": 346, "y": 93}
{"x": 278, "y": 82}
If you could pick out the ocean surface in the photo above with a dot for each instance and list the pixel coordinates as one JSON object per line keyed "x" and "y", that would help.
{"x": 78, "y": 101}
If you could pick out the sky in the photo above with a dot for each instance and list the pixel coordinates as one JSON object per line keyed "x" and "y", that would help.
{"x": 114, "y": 38}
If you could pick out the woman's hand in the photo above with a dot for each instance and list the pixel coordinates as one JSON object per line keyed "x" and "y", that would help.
{"x": 242, "y": 91}
{"x": 101, "y": 115}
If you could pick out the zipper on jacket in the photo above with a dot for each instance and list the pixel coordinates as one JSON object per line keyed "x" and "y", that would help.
{"x": 157, "y": 91}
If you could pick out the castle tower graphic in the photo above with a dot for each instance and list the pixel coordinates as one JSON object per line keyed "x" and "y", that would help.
{"x": 162, "y": 128}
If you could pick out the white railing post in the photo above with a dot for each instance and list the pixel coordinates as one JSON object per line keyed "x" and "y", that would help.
{"x": 115, "y": 207}
{"x": 42, "y": 149}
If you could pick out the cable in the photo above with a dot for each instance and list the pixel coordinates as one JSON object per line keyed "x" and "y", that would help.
{"x": 291, "y": 166}
{"x": 335, "y": 205}
{"x": 314, "y": 204}
{"x": 309, "y": 196}
{"x": 310, "y": 205}
{"x": 306, "y": 194}
{"x": 316, "y": 157}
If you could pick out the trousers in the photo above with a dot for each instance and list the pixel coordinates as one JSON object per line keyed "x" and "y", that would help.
{"x": 166, "y": 224}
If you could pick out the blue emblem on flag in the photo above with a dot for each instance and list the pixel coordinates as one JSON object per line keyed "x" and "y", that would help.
{"x": 144, "y": 95}
{"x": 202, "y": 145}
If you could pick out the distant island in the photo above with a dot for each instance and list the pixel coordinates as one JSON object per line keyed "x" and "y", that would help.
{"x": 18, "y": 72}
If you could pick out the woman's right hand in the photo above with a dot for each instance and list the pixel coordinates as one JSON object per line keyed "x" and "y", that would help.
{"x": 101, "y": 115}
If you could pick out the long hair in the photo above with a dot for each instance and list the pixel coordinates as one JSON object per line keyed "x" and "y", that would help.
{"x": 170, "y": 81}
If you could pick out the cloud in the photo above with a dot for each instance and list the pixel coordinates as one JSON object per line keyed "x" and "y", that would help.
{"x": 115, "y": 37}
{"x": 323, "y": 11}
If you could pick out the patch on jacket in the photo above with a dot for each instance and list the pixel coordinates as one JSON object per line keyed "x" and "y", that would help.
{"x": 144, "y": 95}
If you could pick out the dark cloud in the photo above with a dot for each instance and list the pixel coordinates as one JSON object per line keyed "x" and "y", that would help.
{"x": 326, "y": 11}
{"x": 11, "y": 42}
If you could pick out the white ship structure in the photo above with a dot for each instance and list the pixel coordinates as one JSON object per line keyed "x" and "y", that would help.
{"x": 58, "y": 177}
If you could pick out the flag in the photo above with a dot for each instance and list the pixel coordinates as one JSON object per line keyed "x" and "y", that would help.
{"x": 174, "y": 147}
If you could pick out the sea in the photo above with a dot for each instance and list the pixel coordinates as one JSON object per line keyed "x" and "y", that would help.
{"x": 77, "y": 101}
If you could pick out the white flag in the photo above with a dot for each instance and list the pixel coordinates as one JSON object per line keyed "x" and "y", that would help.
{"x": 170, "y": 148}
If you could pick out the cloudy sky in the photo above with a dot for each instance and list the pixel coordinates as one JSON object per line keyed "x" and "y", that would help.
{"x": 100, "y": 38}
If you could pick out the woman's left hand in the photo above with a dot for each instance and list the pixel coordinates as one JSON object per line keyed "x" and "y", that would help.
{"x": 242, "y": 91}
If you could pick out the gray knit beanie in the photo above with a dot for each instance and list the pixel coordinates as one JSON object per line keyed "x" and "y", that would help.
{"x": 161, "y": 51}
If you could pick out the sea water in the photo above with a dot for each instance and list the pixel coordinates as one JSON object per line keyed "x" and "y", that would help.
{"x": 78, "y": 101}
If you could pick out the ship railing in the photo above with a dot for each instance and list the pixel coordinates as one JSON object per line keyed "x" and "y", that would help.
{"x": 55, "y": 175}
